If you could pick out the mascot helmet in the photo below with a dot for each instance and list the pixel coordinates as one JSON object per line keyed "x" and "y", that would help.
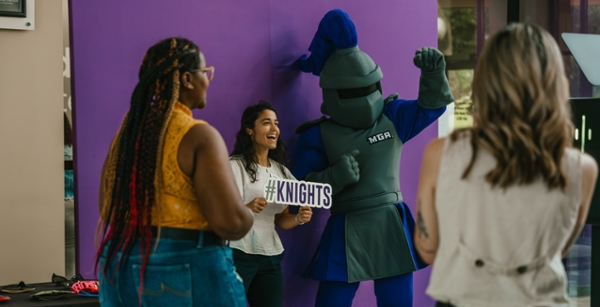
{"x": 351, "y": 89}
{"x": 350, "y": 79}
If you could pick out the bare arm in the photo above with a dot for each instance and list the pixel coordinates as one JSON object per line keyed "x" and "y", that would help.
{"x": 285, "y": 220}
{"x": 589, "y": 174}
{"x": 426, "y": 235}
{"x": 203, "y": 156}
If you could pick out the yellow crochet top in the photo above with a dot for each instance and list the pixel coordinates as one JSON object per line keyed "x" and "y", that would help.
{"x": 178, "y": 204}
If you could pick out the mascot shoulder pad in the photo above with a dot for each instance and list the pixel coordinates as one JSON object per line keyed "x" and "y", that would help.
{"x": 390, "y": 98}
{"x": 309, "y": 124}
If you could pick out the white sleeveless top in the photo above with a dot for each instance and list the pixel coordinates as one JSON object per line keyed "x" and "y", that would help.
{"x": 501, "y": 248}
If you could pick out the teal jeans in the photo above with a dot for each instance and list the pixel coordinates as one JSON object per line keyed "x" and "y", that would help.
{"x": 178, "y": 273}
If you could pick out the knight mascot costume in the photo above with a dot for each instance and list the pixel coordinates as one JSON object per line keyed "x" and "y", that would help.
{"x": 356, "y": 149}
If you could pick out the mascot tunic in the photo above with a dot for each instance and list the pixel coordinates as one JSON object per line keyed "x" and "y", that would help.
{"x": 357, "y": 151}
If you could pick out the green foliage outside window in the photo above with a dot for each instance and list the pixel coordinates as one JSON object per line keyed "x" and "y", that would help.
{"x": 463, "y": 23}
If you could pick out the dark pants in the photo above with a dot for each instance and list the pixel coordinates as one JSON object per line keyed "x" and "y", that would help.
{"x": 395, "y": 291}
{"x": 440, "y": 304}
{"x": 262, "y": 277}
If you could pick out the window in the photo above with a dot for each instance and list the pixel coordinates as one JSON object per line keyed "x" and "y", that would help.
{"x": 464, "y": 25}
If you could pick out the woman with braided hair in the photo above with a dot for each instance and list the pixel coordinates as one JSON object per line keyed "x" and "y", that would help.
{"x": 168, "y": 198}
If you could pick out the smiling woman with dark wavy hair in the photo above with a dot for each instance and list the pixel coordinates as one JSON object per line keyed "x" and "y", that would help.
{"x": 511, "y": 192}
{"x": 259, "y": 154}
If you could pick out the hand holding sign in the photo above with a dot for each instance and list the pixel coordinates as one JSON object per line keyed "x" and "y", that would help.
{"x": 298, "y": 193}
{"x": 304, "y": 214}
{"x": 257, "y": 205}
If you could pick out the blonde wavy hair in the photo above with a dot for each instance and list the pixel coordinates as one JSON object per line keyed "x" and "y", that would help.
{"x": 522, "y": 111}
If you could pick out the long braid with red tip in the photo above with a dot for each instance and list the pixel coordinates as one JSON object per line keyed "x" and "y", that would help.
{"x": 132, "y": 174}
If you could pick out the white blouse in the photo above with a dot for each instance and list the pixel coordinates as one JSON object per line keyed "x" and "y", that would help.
{"x": 262, "y": 239}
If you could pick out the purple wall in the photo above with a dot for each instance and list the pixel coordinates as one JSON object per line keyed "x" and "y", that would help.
{"x": 252, "y": 45}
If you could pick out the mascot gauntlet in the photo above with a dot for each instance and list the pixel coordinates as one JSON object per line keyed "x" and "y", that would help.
{"x": 343, "y": 172}
{"x": 434, "y": 90}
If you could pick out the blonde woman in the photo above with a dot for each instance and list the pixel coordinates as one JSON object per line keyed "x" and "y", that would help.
{"x": 500, "y": 204}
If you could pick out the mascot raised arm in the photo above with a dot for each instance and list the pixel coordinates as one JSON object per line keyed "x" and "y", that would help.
{"x": 356, "y": 149}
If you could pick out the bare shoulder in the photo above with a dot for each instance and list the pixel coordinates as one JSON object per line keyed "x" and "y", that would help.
{"x": 436, "y": 144}
{"x": 431, "y": 162}
{"x": 589, "y": 167}
{"x": 434, "y": 149}
{"x": 203, "y": 134}
{"x": 202, "y": 141}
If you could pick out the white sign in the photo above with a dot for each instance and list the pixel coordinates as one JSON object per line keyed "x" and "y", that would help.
{"x": 298, "y": 193}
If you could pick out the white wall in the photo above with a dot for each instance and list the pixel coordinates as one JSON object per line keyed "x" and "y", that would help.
{"x": 31, "y": 149}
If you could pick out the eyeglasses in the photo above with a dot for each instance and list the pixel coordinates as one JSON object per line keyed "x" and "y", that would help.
{"x": 208, "y": 71}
